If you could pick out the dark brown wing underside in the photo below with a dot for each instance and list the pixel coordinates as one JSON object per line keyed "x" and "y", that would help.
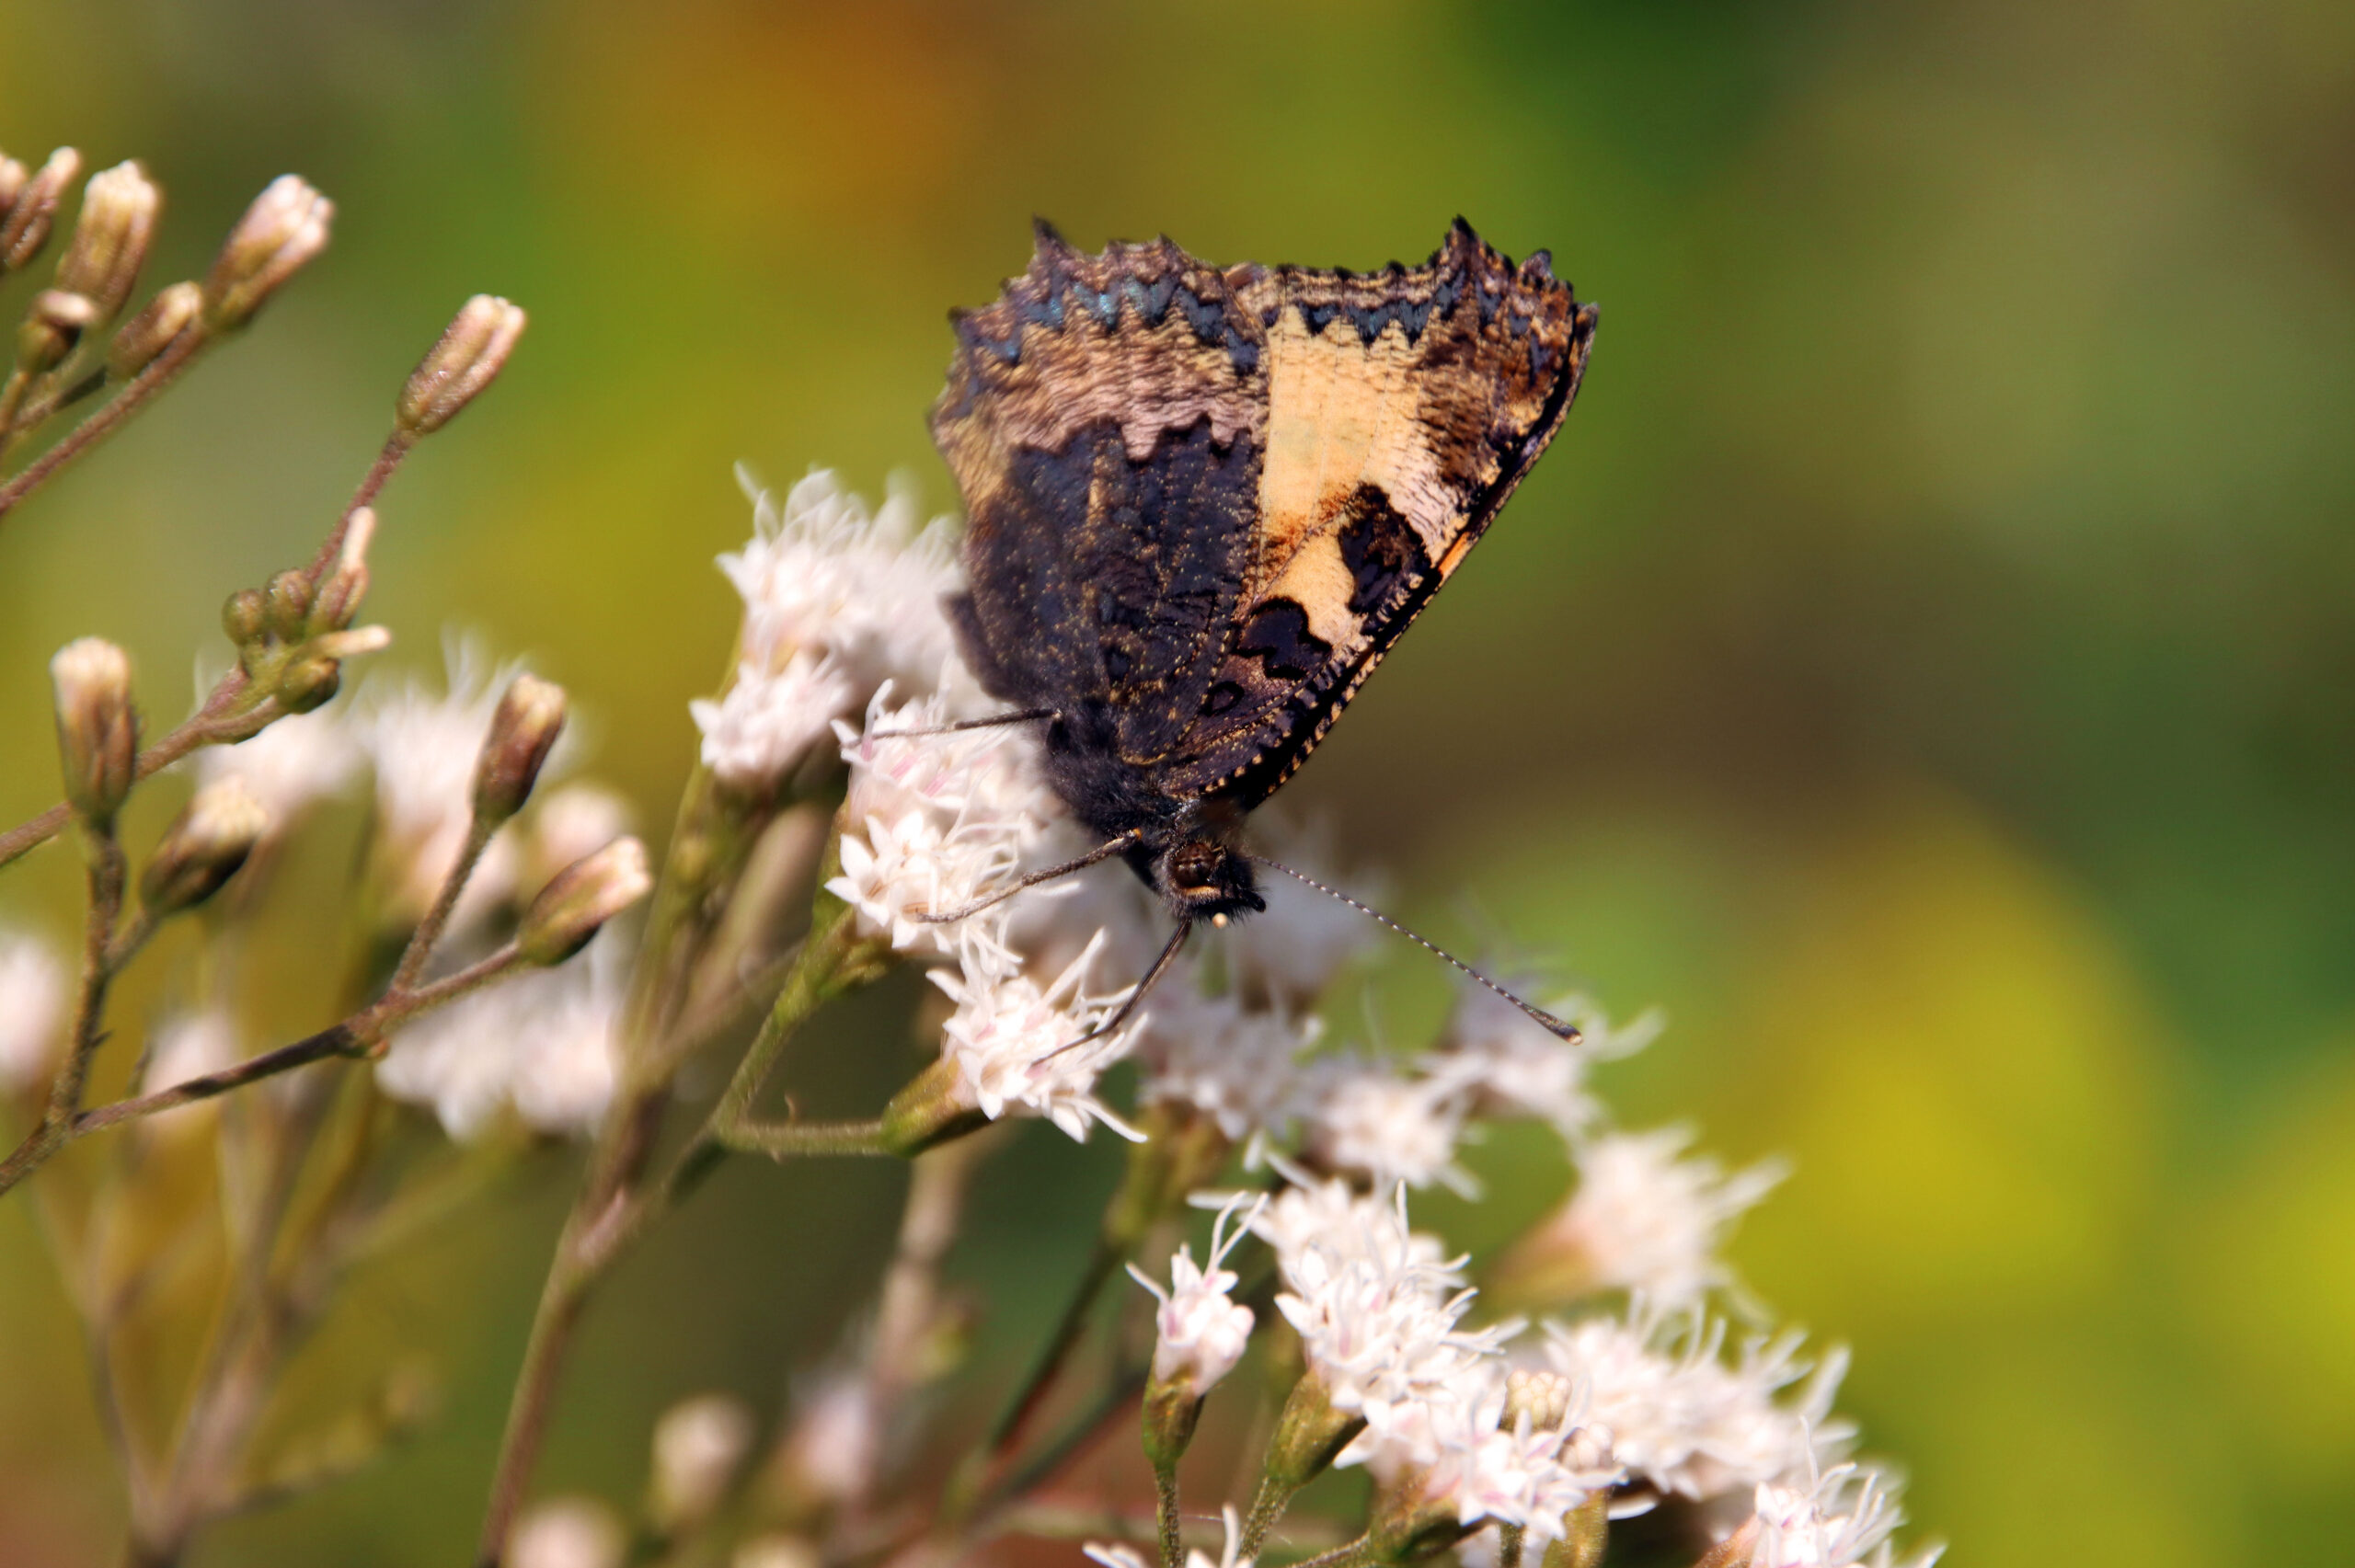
{"x": 1211, "y": 501}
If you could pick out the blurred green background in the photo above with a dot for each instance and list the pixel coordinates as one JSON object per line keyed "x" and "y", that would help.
{"x": 1922, "y": 665}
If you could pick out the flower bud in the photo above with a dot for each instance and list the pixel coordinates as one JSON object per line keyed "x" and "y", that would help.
{"x": 525, "y": 724}
{"x": 172, "y": 312}
{"x": 203, "y": 847}
{"x": 338, "y": 599}
{"x": 284, "y": 228}
{"x": 97, "y": 730}
{"x": 580, "y": 899}
{"x": 471, "y": 352}
{"x": 25, "y": 228}
{"x": 110, "y": 244}
{"x": 698, "y": 1445}
{"x": 309, "y": 683}
{"x": 245, "y": 615}
{"x": 286, "y": 603}
{"x": 53, "y": 323}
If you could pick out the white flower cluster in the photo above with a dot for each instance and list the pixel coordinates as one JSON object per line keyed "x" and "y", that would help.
{"x": 837, "y": 602}
{"x": 541, "y": 1044}
{"x": 33, "y": 992}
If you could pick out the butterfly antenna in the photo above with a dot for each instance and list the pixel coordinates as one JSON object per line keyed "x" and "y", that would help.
{"x": 1020, "y": 715}
{"x": 1151, "y": 977}
{"x": 1553, "y": 1026}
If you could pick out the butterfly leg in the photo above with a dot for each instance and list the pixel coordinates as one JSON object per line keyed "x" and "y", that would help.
{"x": 1102, "y": 851}
{"x": 1020, "y": 715}
{"x": 1113, "y": 1025}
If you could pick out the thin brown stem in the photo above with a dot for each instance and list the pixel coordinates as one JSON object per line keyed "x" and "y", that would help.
{"x": 354, "y": 1036}
{"x": 110, "y": 417}
{"x": 397, "y": 445}
{"x": 55, "y": 1129}
{"x": 437, "y": 917}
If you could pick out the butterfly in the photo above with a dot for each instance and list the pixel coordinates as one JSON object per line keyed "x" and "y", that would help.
{"x": 1202, "y": 503}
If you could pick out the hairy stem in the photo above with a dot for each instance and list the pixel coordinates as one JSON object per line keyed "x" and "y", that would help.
{"x": 55, "y": 1129}
{"x": 1166, "y": 1516}
{"x": 446, "y": 899}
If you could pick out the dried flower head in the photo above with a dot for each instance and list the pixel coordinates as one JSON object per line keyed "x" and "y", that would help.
{"x": 102, "y": 260}
{"x": 205, "y": 847}
{"x": 97, "y": 730}
{"x": 24, "y": 226}
{"x": 467, "y": 358}
{"x": 280, "y": 234}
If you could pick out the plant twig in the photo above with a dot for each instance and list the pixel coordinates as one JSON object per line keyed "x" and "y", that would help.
{"x": 135, "y": 395}
{"x": 354, "y": 1036}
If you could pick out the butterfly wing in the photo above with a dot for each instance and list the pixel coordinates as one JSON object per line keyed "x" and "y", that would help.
{"x": 1102, "y": 418}
{"x": 1403, "y": 408}
{"x": 1203, "y": 504}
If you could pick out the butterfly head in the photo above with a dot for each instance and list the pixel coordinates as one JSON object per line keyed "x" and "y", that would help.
{"x": 1202, "y": 878}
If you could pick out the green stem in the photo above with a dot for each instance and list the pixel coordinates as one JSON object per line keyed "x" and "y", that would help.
{"x": 786, "y": 1141}
{"x": 55, "y": 1129}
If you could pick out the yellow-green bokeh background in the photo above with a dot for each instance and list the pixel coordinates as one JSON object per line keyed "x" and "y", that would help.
{"x": 1922, "y": 665}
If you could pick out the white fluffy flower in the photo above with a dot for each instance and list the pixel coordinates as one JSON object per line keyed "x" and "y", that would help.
{"x": 1489, "y": 1466}
{"x": 1645, "y": 1219}
{"x": 767, "y": 722}
{"x": 1237, "y": 1065}
{"x": 571, "y": 822}
{"x": 33, "y": 988}
{"x": 567, "y": 1532}
{"x": 938, "y": 823}
{"x": 698, "y": 1445}
{"x": 1842, "y": 1521}
{"x": 1688, "y": 1421}
{"x": 1013, "y": 1042}
{"x": 423, "y": 749}
{"x": 837, "y": 602}
{"x": 291, "y": 766}
{"x": 836, "y": 1445}
{"x": 541, "y": 1043}
{"x": 1378, "y": 1320}
{"x": 898, "y": 873}
{"x": 1201, "y": 1330}
{"x": 1362, "y": 1117}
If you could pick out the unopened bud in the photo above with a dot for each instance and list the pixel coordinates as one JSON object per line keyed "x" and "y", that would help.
{"x": 472, "y": 352}
{"x": 698, "y": 1445}
{"x": 338, "y": 599}
{"x": 53, "y": 323}
{"x": 172, "y": 312}
{"x": 580, "y": 899}
{"x": 567, "y": 1532}
{"x": 523, "y": 730}
{"x": 97, "y": 730}
{"x": 284, "y": 228}
{"x": 286, "y": 603}
{"x": 203, "y": 847}
{"x": 110, "y": 244}
{"x": 309, "y": 683}
{"x": 26, "y": 227}
{"x": 245, "y": 615}
{"x": 1543, "y": 1397}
